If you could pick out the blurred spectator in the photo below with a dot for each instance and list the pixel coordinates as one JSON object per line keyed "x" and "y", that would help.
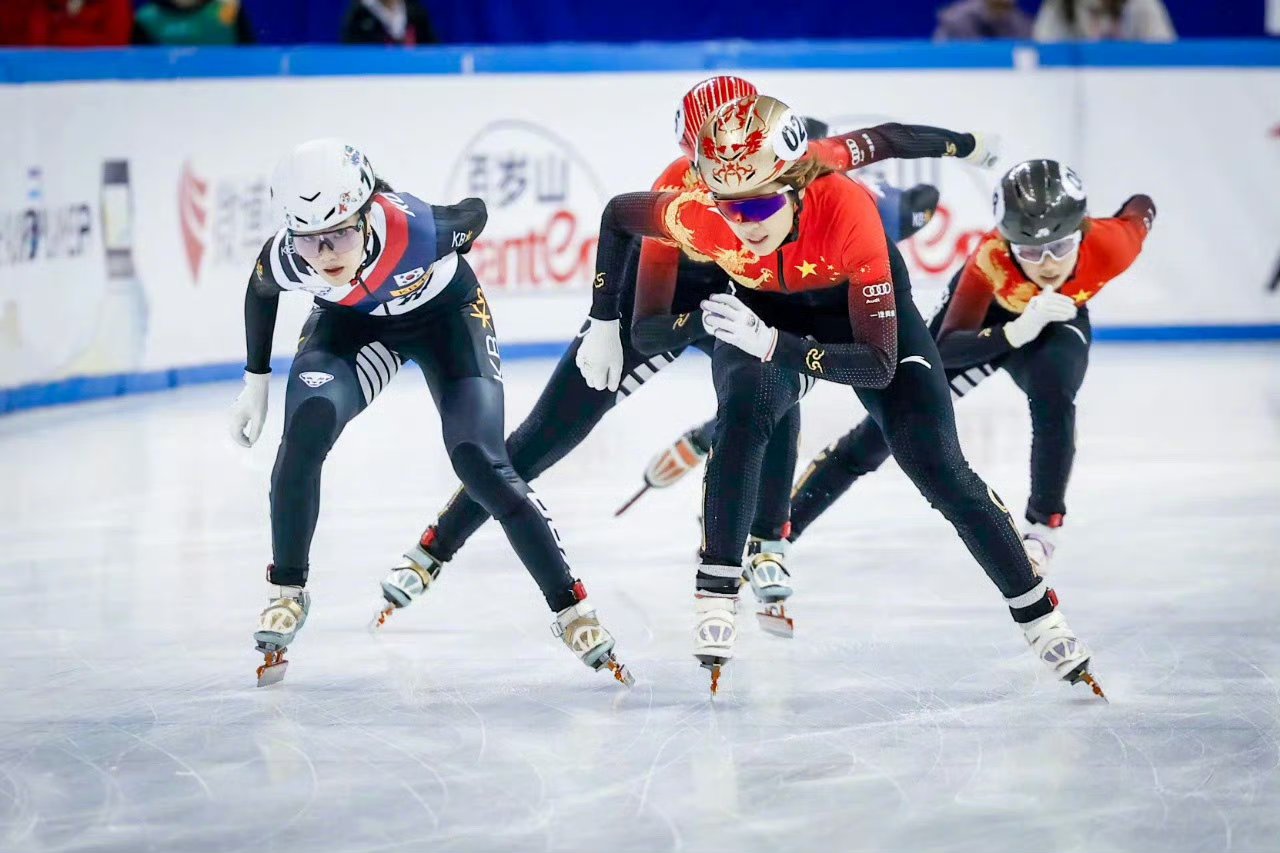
{"x": 1096, "y": 20}
{"x": 192, "y": 22}
{"x": 967, "y": 20}
{"x": 387, "y": 22}
{"x": 66, "y": 23}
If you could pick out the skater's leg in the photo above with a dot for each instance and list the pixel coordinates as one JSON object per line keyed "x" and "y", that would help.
{"x": 1050, "y": 371}
{"x": 918, "y": 423}
{"x": 752, "y": 398}
{"x": 328, "y": 386}
{"x": 565, "y": 413}
{"x": 335, "y": 375}
{"x": 773, "y": 502}
{"x": 460, "y": 360}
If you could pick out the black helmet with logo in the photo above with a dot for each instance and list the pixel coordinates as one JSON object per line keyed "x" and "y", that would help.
{"x": 1039, "y": 201}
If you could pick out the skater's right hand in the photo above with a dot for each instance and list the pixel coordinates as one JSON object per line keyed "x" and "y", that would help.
{"x": 986, "y": 150}
{"x": 249, "y": 411}
{"x": 599, "y": 355}
{"x": 1046, "y": 307}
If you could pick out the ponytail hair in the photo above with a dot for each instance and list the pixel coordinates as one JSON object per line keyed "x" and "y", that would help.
{"x": 804, "y": 172}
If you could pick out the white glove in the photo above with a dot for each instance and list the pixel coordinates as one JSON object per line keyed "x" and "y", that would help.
{"x": 728, "y": 320}
{"x": 986, "y": 150}
{"x": 249, "y": 411}
{"x": 1046, "y": 307}
{"x": 599, "y": 355}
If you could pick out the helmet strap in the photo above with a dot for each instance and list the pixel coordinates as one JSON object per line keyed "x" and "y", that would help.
{"x": 367, "y": 228}
{"x": 798, "y": 199}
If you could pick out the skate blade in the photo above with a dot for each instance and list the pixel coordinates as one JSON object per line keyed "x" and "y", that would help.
{"x": 381, "y": 618}
{"x": 631, "y": 501}
{"x": 774, "y": 620}
{"x": 620, "y": 672}
{"x": 714, "y": 665}
{"x": 273, "y": 670}
{"x": 1088, "y": 679}
{"x": 1081, "y": 673}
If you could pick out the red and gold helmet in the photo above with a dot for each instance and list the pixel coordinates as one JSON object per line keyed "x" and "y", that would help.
{"x": 703, "y": 100}
{"x": 748, "y": 143}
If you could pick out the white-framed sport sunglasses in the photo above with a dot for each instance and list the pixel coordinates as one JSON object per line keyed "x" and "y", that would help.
{"x": 1059, "y": 249}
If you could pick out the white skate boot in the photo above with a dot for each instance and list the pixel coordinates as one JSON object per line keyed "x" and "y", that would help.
{"x": 1053, "y": 641}
{"x": 408, "y": 581}
{"x": 1040, "y": 541}
{"x": 279, "y": 623}
{"x": 580, "y": 629}
{"x": 714, "y": 632}
{"x": 765, "y": 569}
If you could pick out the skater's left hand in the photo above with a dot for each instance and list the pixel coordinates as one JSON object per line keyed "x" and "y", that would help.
{"x": 729, "y": 320}
{"x": 249, "y": 411}
{"x": 600, "y": 357}
{"x": 986, "y": 150}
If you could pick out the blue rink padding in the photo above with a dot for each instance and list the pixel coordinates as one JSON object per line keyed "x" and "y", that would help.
{"x": 81, "y": 389}
{"x": 38, "y": 65}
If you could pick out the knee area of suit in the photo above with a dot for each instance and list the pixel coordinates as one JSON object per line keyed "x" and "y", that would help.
{"x": 313, "y": 427}
{"x": 487, "y": 477}
{"x": 748, "y": 415}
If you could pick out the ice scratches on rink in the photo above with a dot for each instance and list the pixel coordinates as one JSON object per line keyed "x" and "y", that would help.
{"x": 905, "y": 715}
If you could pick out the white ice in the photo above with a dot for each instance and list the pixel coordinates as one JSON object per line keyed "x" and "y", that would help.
{"x": 906, "y": 715}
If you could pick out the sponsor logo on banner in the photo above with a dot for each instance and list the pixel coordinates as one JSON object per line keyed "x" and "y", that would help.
{"x": 42, "y": 230}
{"x": 224, "y": 220}
{"x": 544, "y": 207}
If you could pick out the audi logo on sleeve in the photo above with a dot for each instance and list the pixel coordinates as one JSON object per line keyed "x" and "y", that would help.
{"x": 882, "y": 289}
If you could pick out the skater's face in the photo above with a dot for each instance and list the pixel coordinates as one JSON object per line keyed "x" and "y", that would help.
{"x": 334, "y": 254}
{"x": 1051, "y": 273}
{"x": 763, "y": 236}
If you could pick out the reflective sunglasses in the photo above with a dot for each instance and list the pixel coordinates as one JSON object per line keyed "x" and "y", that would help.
{"x": 754, "y": 209}
{"x": 1058, "y": 249}
{"x": 339, "y": 240}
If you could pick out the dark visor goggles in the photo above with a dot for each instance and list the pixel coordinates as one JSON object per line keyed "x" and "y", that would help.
{"x": 754, "y": 209}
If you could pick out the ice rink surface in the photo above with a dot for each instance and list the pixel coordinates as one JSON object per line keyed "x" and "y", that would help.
{"x": 906, "y": 715}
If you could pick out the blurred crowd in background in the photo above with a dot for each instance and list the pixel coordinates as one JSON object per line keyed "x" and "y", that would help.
{"x": 88, "y": 23}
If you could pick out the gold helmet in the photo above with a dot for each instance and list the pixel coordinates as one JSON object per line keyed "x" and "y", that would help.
{"x": 749, "y": 142}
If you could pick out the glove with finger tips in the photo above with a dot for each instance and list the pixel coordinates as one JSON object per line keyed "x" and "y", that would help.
{"x": 728, "y": 319}
{"x": 249, "y": 411}
{"x": 1044, "y": 308}
{"x": 600, "y": 356}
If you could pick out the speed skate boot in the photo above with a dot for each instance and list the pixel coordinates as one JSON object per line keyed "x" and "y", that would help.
{"x": 714, "y": 632}
{"x": 1051, "y": 638}
{"x": 409, "y": 580}
{"x": 765, "y": 569}
{"x": 1040, "y": 541}
{"x": 672, "y": 463}
{"x": 279, "y": 623}
{"x": 580, "y": 630}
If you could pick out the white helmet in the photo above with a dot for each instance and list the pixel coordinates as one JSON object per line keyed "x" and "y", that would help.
{"x": 320, "y": 183}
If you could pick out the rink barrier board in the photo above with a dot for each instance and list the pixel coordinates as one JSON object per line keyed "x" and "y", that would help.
{"x": 85, "y": 388}
{"x": 49, "y": 65}
{"x": 166, "y": 64}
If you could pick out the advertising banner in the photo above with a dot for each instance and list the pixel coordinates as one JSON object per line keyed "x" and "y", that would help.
{"x": 131, "y": 211}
